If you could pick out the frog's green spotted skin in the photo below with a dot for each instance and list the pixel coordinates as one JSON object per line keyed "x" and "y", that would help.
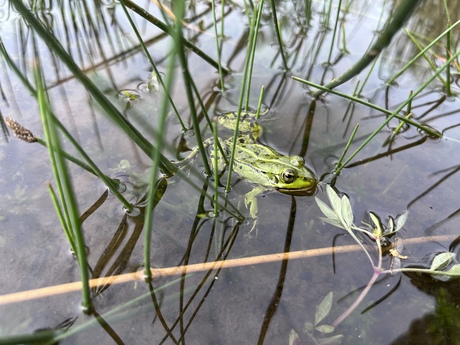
{"x": 260, "y": 164}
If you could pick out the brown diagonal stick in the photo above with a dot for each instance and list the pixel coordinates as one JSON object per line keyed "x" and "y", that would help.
{"x": 172, "y": 271}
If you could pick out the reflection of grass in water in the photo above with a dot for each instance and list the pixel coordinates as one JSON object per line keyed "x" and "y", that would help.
{"x": 159, "y": 161}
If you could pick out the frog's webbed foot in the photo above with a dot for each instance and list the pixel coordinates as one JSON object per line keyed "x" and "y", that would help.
{"x": 250, "y": 201}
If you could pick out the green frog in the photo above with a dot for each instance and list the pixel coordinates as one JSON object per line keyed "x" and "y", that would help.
{"x": 257, "y": 163}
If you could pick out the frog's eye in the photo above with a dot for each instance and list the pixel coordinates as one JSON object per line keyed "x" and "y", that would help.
{"x": 288, "y": 176}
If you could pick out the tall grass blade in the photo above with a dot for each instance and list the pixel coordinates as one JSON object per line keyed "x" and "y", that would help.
{"x": 63, "y": 179}
{"x": 218, "y": 45}
{"x": 250, "y": 52}
{"x": 161, "y": 129}
{"x": 62, "y": 219}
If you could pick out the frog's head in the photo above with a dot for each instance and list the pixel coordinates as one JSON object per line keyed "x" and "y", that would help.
{"x": 295, "y": 178}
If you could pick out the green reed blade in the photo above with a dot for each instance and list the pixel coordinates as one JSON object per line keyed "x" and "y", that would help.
{"x": 427, "y": 130}
{"x": 425, "y": 56}
{"x": 347, "y": 146}
{"x": 218, "y": 44}
{"x": 98, "y": 95}
{"x": 250, "y": 51}
{"x": 161, "y": 129}
{"x": 416, "y": 57}
{"x": 401, "y": 14}
{"x": 278, "y": 34}
{"x": 448, "y": 44}
{"x": 152, "y": 19}
{"x": 404, "y": 104}
{"x": 334, "y": 33}
{"x": 62, "y": 219}
{"x": 152, "y": 63}
{"x": 62, "y": 177}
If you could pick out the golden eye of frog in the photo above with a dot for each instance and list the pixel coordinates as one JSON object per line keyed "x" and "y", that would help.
{"x": 260, "y": 164}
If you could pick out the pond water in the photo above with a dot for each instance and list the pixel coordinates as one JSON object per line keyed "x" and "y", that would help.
{"x": 262, "y": 301}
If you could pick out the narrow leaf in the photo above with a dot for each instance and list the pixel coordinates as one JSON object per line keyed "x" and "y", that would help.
{"x": 324, "y": 308}
{"x": 325, "y": 329}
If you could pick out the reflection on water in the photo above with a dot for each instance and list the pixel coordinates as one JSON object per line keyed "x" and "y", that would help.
{"x": 257, "y": 303}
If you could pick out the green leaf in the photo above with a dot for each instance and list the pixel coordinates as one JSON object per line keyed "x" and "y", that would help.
{"x": 335, "y": 201}
{"x": 325, "y": 329}
{"x": 441, "y": 261}
{"x": 401, "y": 220}
{"x": 391, "y": 225}
{"x": 336, "y": 223}
{"x": 378, "y": 227}
{"x": 347, "y": 213}
{"x": 323, "y": 308}
{"x": 455, "y": 270}
{"x": 327, "y": 211}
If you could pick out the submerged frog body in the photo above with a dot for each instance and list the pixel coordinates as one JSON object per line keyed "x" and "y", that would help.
{"x": 260, "y": 164}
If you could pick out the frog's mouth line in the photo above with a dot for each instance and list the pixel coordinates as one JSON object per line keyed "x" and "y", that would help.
{"x": 299, "y": 192}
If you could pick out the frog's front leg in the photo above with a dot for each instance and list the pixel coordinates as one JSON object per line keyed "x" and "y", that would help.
{"x": 187, "y": 161}
{"x": 250, "y": 201}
